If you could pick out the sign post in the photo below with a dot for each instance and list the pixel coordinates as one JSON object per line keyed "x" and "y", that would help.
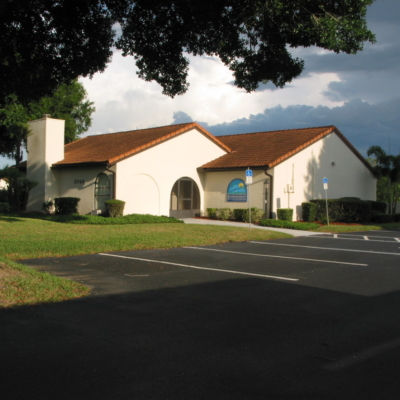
{"x": 249, "y": 181}
{"x": 325, "y": 183}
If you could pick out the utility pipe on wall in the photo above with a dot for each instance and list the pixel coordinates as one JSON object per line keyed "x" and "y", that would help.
{"x": 270, "y": 192}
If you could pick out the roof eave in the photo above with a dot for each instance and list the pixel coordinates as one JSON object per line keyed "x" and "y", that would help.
{"x": 82, "y": 164}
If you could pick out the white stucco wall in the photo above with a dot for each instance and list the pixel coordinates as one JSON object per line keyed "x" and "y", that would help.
{"x": 306, "y": 169}
{"x": 45, "y": 147}
{"x": 145, "y": 180}
{"x": 80, "y": 182}
{"x": 349, "y": 177}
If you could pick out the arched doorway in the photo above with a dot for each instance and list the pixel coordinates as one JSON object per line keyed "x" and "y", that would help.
{"x": 102, "y": 191}
{"x": 185, "y": 199}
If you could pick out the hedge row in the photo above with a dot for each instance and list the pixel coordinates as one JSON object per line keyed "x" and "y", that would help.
{"x": 237, "y": 214}
{"x": 348, "y": 209}
{"x": 276, "y": 223}
{"x": 66, "y": 205}
{"x": 285, "y": 214}
{"x": 382, "y": 218}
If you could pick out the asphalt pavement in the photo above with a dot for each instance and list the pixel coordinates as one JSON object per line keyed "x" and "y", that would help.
{"x": 312, "y": 317}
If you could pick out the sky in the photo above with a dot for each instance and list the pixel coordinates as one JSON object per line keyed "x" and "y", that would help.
{"x": 359, "y": 94}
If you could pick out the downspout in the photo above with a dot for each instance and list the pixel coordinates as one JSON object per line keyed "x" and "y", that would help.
{"x": 270, "y": 191}
{"x": 114, "y": 181}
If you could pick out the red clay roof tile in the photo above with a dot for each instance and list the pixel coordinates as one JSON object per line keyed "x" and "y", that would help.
{"x": 111, "y": 148}
{"x": 260, "y": 149}
{"x": 267, "y": 149}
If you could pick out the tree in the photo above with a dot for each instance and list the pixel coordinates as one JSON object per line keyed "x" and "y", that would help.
{"x": 387, "y": 169}
{"x": 45, "y": 43}
{"x": 69, "y": 102}
{"x": 12, "y": 139}
{"x": 18, "y": 188}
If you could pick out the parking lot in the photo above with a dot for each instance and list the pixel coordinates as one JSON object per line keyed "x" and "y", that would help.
{"x": 314, "y": 317}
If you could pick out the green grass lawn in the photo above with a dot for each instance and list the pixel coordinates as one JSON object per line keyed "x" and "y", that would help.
{"x": 23, "y": 238}
{"x": 34, "y": 238}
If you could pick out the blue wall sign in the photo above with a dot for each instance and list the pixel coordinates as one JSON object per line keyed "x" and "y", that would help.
{"x": 237, "y": 191}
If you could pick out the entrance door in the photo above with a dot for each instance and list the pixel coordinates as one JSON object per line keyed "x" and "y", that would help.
{"x": 185, "y": 199}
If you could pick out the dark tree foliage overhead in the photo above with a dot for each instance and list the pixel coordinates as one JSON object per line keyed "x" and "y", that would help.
{"x": 46, "y": 42}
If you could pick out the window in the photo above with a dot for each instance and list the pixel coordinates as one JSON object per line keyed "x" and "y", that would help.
{"x": 102, "y": 191}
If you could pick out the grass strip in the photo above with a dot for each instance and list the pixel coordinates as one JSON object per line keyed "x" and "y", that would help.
{"x": 309, "y": 226}
{"x": 21, "y": 285}
{"x": 34, "y": 238}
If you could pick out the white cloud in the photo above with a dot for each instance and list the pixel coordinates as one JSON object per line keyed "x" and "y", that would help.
{"x": 124, "y": 102}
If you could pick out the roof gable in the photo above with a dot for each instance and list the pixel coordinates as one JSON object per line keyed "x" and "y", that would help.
{"x": 114, "y": 147}
{"x": 268, "y": 149}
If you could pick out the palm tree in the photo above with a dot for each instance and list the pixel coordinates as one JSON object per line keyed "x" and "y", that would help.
{"x": 387, "y": 166}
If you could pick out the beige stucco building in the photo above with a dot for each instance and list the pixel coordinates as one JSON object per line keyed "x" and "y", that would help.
{"x": 181, "y": 170}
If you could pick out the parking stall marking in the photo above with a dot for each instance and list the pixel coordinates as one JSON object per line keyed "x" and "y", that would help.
{"x": 327, "y": 248}
{"x": 283, "y": 257}
{"x": 360, "y": 238}
{"x": 203, "y": 268}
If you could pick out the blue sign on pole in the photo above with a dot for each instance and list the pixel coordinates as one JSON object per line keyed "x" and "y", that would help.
{"x": 325, "y": 180}
{"x": 249, "y": 172}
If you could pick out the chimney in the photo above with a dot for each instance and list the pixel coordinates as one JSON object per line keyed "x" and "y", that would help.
{"x": 45, "y": 147}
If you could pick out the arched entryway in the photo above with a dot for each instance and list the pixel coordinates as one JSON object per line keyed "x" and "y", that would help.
{"x": 102, "y": 191}
{"x": 185, "y": 199}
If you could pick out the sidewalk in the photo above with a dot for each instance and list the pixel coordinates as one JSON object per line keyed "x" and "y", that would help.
{"x": 292, "y": 232}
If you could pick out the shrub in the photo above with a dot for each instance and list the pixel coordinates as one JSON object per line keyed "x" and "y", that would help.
{"x": 288, "y": 224}
{"x": 48, "y": 207}
{"x": 256, "y": 215}
{"x": 309, "y": 211}
{"x": 66, "y": 205}
{"x": 212, "y": 212}
{"x": 381, "y": 218}
{"x": 223, "y": 213}
{"x": 378, "y": 206}
{"x": 4, "y": 208}
{"x": 396, "y": 217}
{"x": 239, "y": 214}
{"x": 3, "y": 196}
{"x": 285, "y": 214}
{"x": 343, "y": 210}
{"x": 115, "y": 208}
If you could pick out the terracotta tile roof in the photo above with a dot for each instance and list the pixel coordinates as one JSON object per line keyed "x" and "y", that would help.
{"x": 267, "y": 149}
{"x": 111, "y": 148}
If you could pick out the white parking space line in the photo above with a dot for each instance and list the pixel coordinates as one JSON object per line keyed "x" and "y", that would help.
{"x": 203, "y": 268}
{"x": 271, "y": 256}
{"x": 398, "y": 239}
{"x": 369, "y": 236}
{"x": 346, "y": 238}
{"x": 365, "y": 237}
{"x": 326, "y": 248}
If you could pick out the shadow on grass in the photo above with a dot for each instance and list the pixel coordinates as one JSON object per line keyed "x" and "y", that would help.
{"x": 10, "y": 219}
